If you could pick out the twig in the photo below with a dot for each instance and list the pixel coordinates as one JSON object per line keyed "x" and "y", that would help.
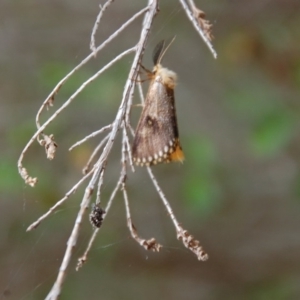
{"x": 199, "y": 15}
{"x": 141, "y": 90}
{"x": 150, "y": 244}
{"x": 194, "y": 21}
{"x": 129, "y": 105}
{"x": 93, "y": 134}
{"x": 95, "y": 152}
{"x": 100, "y": 183}
{"x": 187, "y": 239}
{"x": 95, "y": 28}
{"x": 128, "y": 148}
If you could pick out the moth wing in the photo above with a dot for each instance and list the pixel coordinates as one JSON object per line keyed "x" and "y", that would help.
{"x": 156, "y": 138}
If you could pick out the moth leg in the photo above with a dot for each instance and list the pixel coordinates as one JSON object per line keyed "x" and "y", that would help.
{"x": 145, "y": 69}
{"x": 141, "y": 80}
{"x": 138, "y": 105}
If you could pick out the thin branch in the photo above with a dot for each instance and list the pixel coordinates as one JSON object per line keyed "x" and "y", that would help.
{"x": 95, "y": 28}
{"x": 194, "y": 21}
{"x": 141, "y": 90}
{"x": 95, "y": 152}
{"x": 129, "y": 105}
{"x": 130, "y": 129}
{"x": 128, "y": 148}
{"x": 93, "y": 134}
{"x": 150, "y": 244}
{"x": 199, "y": 15}
{"x": 187, "y": 239}
{"x": 164, "y": 199}
{"x": 100, "y": 183}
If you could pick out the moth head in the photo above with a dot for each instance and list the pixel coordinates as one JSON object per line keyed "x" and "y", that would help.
{"x": 156, "y": 69}
{"x": 167, "y": 77}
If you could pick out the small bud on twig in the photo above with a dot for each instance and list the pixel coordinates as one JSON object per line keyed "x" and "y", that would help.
{"x": 50, "y": 145}
{"x": 205, "y": 25}
{"x": 28, "y": 180}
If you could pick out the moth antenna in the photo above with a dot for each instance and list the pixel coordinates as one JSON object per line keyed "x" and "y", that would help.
{"x": 160, "y": 50}
{"x": 157, "y": 51}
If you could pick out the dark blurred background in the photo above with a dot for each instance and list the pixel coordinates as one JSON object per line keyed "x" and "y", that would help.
{"x": 238, "y": 190}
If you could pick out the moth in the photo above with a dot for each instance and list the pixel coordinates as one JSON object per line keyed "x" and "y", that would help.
{"x": 156, "y": 137}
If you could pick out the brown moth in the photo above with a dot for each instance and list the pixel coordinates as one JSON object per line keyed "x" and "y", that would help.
{"x": 156, "y": 137}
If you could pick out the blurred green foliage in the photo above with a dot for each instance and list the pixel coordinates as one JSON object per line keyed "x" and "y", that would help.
{"x": 280, "y": 289}
{"x": 271, "y": 123}
{"x": 201, "y": 188}
{"x": 273, "y": 133}
{"x": 10, "y": 178}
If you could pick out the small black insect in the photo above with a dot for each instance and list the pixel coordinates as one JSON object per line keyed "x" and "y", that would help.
{"x": 96, "y": 216}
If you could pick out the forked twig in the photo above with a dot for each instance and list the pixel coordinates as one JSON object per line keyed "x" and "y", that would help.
{"x": 149, "y": 244}
{"x": 95, "y": 28}
{"x": 87, "y": 167}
